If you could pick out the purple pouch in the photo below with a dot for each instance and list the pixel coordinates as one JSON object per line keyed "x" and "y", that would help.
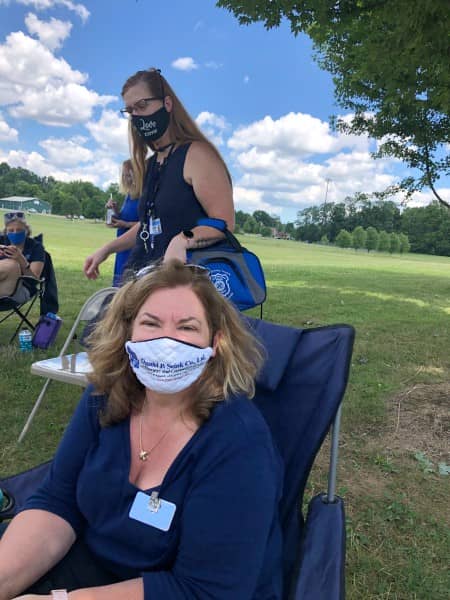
{"x": 45, "y": 332}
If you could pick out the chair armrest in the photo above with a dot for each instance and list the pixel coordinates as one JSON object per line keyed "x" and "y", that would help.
{"x": 320, "y": 574}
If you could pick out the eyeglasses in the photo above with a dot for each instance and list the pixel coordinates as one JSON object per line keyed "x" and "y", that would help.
{"x": 17, "y": 215}
{"x": 197, "y": 269}
{"x": 139, "y": 106}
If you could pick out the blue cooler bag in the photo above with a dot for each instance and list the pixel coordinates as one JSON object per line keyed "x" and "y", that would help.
{"x": 235, "y": 271}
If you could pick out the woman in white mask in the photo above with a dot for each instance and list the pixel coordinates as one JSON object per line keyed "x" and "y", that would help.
{"x": 166, "y": 483}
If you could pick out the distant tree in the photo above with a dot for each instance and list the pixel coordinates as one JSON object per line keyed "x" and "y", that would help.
{"x": 264, "y": 218}
{"x": 265, "y": 231}
{"x": 240, "y": 217}
{"x": 71, "y": 206}
{"x": 344, "y": 239}
{"x": 404, "y": 243}
{"x": 359, "y": 237}
{"x": 250, "y": 225}
{"x": 371, "y": 239}
{"x": 394, "y": 243}
{"x": 384, "y": 241}
{"x": 324, "y": 240}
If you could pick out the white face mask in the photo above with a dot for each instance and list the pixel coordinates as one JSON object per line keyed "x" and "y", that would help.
{"x": 166, "y": 365}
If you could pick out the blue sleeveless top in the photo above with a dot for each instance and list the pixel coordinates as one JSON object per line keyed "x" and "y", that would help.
{"x": 174, "y": 203}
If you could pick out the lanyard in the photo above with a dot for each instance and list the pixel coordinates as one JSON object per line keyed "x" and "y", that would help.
{"x": 150, "y": 225}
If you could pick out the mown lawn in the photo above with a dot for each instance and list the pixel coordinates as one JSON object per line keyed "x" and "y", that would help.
{"x": 396, "y": 405}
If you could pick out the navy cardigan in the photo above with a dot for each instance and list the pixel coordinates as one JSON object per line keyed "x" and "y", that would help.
{"x": 224, "y": 541}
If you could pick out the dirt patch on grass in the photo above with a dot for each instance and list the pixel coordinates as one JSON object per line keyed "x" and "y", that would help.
{"x": 419, "y": 420}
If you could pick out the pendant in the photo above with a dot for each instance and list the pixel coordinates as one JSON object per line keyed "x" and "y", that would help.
{"x": 143, "y": 455}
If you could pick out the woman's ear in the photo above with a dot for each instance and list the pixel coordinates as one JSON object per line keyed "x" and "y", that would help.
{"x": 168, "y": 103}
{"x": 216, "y": 340}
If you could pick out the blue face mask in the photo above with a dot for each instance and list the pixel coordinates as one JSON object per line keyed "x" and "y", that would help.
{"x": 17, "y": 238}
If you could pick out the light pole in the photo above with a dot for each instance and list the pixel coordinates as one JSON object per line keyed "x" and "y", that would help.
{"x": 328, "y": 181}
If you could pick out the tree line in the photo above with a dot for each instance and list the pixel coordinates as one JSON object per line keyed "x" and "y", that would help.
{"x": 66, "y": 198}
{"x": 427, "y": 228}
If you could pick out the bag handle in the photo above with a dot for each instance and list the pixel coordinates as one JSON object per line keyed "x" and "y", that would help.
{"x": 221, "y": 225}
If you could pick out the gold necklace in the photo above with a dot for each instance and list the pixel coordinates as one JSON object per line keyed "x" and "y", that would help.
{"x": 143, "y": 454}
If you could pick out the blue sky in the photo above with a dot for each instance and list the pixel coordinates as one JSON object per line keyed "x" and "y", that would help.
{"x": 258, "y": 94}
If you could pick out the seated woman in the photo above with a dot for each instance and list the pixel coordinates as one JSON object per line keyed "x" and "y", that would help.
{"x": 166, "y": 484}
{"x": 19, "y": 255}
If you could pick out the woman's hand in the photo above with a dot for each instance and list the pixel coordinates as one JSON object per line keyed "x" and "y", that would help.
{"x": 111, "y": 204}
{"x": 119, "y": 223}
{"x": 14, "y": 253}
{"x": 92, "y": 263}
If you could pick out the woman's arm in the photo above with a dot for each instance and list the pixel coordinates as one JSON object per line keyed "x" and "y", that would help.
{"x": 206, "y": 173}
{"x": 124, "y": 242}
{"x": 32, "y": 544}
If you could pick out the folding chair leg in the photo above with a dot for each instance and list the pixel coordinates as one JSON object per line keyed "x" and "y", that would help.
{"x": 33, "y": 411}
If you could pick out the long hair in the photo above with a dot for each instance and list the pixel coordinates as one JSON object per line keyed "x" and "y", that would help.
{"x": 182, "y": 128}
{"x": 125, "y": 185}
{"x": 232, "y": 370}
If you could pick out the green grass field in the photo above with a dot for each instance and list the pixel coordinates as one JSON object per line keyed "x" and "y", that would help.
{"x": 394, "y": 451}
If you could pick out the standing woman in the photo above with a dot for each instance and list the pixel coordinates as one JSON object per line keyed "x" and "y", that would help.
{"x": 19, "y": 255}
{"x": 184, "y": 180}
{"x": 124, "y": 219}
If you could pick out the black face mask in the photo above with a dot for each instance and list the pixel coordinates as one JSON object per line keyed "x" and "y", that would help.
{"x": 152, "y": 127}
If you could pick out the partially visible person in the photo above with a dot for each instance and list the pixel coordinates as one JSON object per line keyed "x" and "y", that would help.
{"x": 20, "y": 255}
{"x": 166, "y": 485}
{"x": 125, "y": 218}
{"x": 184, "y": 181}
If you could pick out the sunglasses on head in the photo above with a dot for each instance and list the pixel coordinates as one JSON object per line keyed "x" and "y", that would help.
{"x": 198, "y": 269}
{"x": 16, "y": 215}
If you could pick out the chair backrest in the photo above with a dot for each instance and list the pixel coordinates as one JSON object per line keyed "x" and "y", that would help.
{"x": 299, "y": 392}
{"x": 90, "y": 312}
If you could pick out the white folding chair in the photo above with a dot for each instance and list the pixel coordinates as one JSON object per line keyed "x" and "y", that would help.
{"x": 68, "y": 368}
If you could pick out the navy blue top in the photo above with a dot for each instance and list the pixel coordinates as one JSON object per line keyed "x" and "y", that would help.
{"x": 176, "y": 205}
{"x": 224, "y": 541}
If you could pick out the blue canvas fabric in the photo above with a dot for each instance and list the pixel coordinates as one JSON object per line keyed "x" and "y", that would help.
{"x": 299, "y": 393}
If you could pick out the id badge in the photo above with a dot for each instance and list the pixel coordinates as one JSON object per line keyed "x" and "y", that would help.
{"x": 152, "y": 510}
{"x": 155, "y": 226}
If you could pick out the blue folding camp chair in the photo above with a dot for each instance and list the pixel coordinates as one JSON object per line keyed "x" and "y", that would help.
{"x": 299, "y": 392}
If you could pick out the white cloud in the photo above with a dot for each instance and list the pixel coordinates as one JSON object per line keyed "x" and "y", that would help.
{"x": 284, "y": 164}
{"x": 7, "y": 133}
{"x": 28, "y": 63}
{"x": 213, "y": 126}
{"x": 51, "y": 33}
{"x": 294, "y": 132}
{"x": 42, "y": 87}
{"x": 66, "y": 153}
{"x": 79, "y": 9}
{"x": 102, "y": 170}
{"x": 185, "y": 63}
{"x": 111, "y": 132}
{"x": 62, "y": 105}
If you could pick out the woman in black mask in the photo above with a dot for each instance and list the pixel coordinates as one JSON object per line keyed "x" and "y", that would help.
{"x": 183, "y": 183}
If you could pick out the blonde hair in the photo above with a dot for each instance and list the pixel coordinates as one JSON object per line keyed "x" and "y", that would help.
{"x": 182, "y": 128}
{"x": 233, "y": 369}
{"x": 124, "y": 185}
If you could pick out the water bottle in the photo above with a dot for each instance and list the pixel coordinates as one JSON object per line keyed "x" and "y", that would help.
{"x": 25, "y": 339}
{"x": 51, "y": 315}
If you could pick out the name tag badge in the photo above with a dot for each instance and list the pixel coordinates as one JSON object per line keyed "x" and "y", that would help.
{"x": 155, "y": 226}
{"x": 152, "y": 510}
